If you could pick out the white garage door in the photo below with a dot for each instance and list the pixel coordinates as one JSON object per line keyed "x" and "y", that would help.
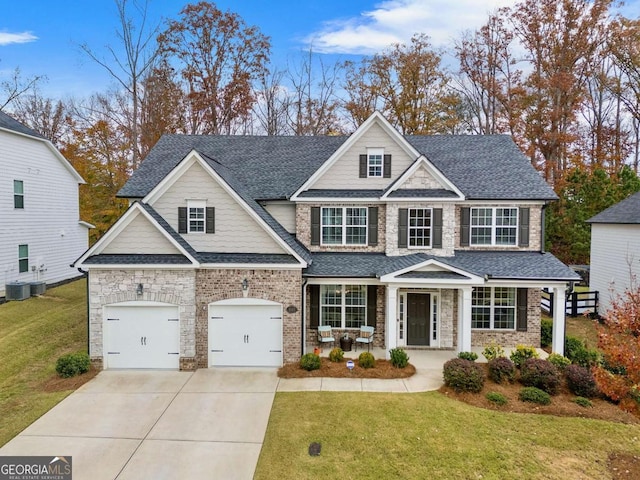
{"x": 142, "y": 336}
{"x": 245, "y": 335}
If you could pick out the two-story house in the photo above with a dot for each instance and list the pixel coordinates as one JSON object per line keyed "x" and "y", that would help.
{"x": 41, "y": 234}
{"x": 235, "y": 249}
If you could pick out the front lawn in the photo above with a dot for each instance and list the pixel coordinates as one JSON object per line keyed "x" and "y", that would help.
{"x": 33, "y": 334}
{"x": 427, "y": 435}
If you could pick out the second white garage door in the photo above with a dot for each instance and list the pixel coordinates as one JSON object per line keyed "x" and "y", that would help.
{"x": 245, "y": 333}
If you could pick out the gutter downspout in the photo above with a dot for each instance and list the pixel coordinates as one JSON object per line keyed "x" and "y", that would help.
{"x": 86, "y": 274}
{"x": 303, "y": 316}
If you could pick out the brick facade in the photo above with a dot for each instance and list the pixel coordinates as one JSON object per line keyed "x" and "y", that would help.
{"x": 281, "y": 286}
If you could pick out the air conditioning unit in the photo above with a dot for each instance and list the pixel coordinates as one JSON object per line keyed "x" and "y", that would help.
{"x": 38, "y": 288}
{"x": 17, "y": 291}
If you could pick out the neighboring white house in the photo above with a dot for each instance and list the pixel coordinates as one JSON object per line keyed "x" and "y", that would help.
{"x": 40, "y": 229}
{"x": 615, "y": 250}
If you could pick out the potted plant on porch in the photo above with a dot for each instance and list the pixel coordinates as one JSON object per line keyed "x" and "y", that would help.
{"x": 346, "y": 342}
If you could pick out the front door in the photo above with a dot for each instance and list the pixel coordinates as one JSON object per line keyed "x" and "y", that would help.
{"x": 418, "y": 318}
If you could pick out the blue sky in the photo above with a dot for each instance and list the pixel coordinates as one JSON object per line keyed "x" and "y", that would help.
{"x": 42, "y": 37}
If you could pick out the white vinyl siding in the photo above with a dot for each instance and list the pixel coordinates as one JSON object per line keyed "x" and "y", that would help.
{"x": 283, "y": 213}
{"x": 49, "y": 221}
{"x": 493, "y": 308}
{"x": 236, "y": 230}
{"x": 141, "y": 237}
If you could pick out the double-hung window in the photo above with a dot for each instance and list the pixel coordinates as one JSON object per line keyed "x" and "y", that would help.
{"x": 23, "y": 258}
{"x": 196, "y": 216}
{"x": 18, "y": 194}
{"x": 374, "y": 162}
{"x": 343, "y": 306}
{"x": 420, "y": 227}
{"x": 344, "y": 225}
{"x": 494, "y": 226}
{"x": 493, "y": 308}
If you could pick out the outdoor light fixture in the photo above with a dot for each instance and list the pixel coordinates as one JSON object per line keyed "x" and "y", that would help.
{"x": 140, "y": 289}
{"x": 245, "y": 285}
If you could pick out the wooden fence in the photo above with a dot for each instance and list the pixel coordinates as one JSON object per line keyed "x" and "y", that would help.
{"x": 577, "y": 303}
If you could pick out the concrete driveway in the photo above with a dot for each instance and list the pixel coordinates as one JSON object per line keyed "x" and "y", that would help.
{"x": 154, "y": 424}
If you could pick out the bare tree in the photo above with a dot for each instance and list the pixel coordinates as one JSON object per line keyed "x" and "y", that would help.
{"x": 16, "y": 86}
{"x": 273, "y": 102}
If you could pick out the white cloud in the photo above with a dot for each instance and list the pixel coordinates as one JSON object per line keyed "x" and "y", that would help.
{"x": 396, "y": 21}
{"x": 7, "y": 38}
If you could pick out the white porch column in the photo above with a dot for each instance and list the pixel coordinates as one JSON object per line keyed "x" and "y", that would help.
{"x": 391, "y": 324}
{"x": 559, "y": 301}
{"x": 464, "y": 319}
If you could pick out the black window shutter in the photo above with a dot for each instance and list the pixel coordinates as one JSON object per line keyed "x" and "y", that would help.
{"x": 315, "y": 225}
{"x": 403, "y": 221}
{"x": 182, "y": 219}
{"x": 387, "y": 166}
{"x": 372, "y": 304}
{"x": 314, "y": 302}
{"x": 363, "y": 166}
{"x": 523, "y": 226}
{"x": 436, "y": 242}
{"x": 373, "y": 226}
{"x": 211, "y": 220}
{"x": 465, "y": 221}
{"x": 521, "y": 324}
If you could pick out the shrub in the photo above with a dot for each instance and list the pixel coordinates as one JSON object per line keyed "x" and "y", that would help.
{"x": 576, "y": 351}
{"x": 73, "y": 364}
{"x": 497, "y": 398}
{"x": 583, "y": 402}
{"x": 534, "y": 395}
{"x": 366, "y": 360}
{"x": 546, "y": 332}
{"x": 336, "y": 354}
{"x": 522, "y": 353}
{"x": 463, "y": 375}
{"x": 398, "y": 357}
{"x": 502, "y": 369}
{"x": 310, "y": 361}
{"x": 471, "y": 356}
{"x": 493, "y": 350}
{"x": 541, "y": 374}
{"x": 559, "y": 361}
{"x": 581, "y": 381}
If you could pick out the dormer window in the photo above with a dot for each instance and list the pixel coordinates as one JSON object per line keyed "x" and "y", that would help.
{"x": 374, "y": 162}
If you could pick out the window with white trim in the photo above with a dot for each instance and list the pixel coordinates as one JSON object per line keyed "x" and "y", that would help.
{"x": 18, "y": 194}
{"x": 493, "y": 308}
{"x": 494, "y": 226}
{"x": 23, "y": 258}
{"x": 375, "y": 158}
{"x": 343, "y": 306}
{"x": 420, "y": 227}
{"x": 196, "y": 216}
{"x": 344, "y": 225}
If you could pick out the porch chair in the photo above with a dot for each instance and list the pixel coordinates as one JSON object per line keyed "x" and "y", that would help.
{"x": 325, "y": 335}
{"x": 366, "y": 336}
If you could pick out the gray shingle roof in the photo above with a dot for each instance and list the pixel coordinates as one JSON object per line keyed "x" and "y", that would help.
{"x": 137, "y": 259}
{"x": 322, "y": 193}
{"x": 627, "y": 211}
{"x": 422, "y": 193}
{"x": 164, "y": 224}
{"x": 205, "y": 257}
{"x": 12, "y": 124}
{"x": 483, "y": 167}
{"x": 493, "y": 264}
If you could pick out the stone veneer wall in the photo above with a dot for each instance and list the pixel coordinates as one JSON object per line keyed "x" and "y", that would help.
{"x": 511, "y": 338}
{"x": 303, "y": 228}
{"x": 447, "y": 318}
{"x": 535, "y": 215}
{"x": 311, "y": 334}
{"x": 282, "y": 286}
{"x": 176, "y": 287}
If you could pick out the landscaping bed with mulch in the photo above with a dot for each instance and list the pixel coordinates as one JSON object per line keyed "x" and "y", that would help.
{"x": 383, "y": 369}
{"x": 58, "y": 384}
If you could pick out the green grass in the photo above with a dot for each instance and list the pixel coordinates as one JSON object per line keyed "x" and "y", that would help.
{"x": 33, "y": 334}
{"x": 583, "y": 328}
{"x": 427, "y": 435}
